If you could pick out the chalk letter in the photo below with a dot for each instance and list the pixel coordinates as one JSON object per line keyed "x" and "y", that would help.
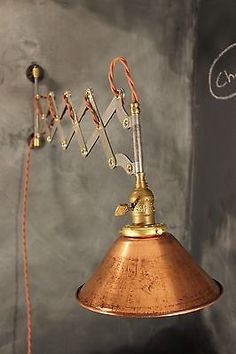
{"x": 229, "y": 76}
{"x": 218, "y": 84}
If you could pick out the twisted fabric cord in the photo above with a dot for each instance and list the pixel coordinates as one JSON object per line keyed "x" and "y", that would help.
{"x": 24, "y": 248}
{"x": 92, "y": 111}
{"x": 124, "y": 62}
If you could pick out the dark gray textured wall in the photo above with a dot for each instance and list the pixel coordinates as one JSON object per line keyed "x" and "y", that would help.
{"x": 71, "y": 201}
{"x": 214, "y": 207}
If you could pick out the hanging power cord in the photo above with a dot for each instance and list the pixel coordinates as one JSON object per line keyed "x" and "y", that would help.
{"x": 24, "y": 247}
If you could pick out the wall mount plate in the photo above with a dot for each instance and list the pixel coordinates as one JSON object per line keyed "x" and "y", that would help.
{"x": 29, "y": 72}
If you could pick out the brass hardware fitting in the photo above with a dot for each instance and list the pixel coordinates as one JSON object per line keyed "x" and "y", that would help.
{"x": 121, "y": 209}
{"x": 135, "y": 108}
{"x": 36, "y": 141}
{"x": 67, "y": 94}
{"x": 129, "y": 169}
{"x": 143, "y": 231}
{"x": 35, "y": 72}
{"x": 64, "y": 145}
{"x": 88, "y": 93}
{"x": 126, "y": 123}
{"x": 142, "y": 211}
{"x": 141, "y": 204}
{"x": 120, "y": 94}
{"x": 83, "y": 152}
{"x": 142, "y": 199}
{"x": 111, "y": 162}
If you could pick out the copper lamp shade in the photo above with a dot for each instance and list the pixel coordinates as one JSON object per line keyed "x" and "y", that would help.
{"x": 151, "y": 276}
{"x": 147, "y": 273}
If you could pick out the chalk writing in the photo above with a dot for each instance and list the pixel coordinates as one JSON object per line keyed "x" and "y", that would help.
{"x": 222, "y": 77}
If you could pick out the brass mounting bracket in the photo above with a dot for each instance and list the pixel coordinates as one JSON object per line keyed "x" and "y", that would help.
{"x": 35, "y": 73}
{"x": 30, "y": 72}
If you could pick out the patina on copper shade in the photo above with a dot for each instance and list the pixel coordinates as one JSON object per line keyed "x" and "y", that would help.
{"x": 147, "y": 273}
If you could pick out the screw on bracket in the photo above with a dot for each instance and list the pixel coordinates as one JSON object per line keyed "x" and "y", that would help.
{"x": 111, "y": 162}
{"x": 129, "y": 169}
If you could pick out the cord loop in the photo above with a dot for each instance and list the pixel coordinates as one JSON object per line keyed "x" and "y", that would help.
{"x": 114, "y": 89}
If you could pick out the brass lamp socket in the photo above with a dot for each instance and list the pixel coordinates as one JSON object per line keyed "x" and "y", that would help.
{"x": 142, "y": 200}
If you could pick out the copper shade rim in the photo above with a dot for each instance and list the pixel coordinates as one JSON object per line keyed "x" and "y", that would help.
{"x": 150, "y": 315}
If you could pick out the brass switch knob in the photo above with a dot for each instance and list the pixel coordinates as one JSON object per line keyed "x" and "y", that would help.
{"x": 121, "y": 209}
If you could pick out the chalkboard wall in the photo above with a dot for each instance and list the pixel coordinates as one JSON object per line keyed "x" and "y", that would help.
{"x": 214, "y": 201}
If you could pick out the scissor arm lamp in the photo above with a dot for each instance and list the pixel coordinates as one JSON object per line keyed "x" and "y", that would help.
{"x": 146, "y": 273}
